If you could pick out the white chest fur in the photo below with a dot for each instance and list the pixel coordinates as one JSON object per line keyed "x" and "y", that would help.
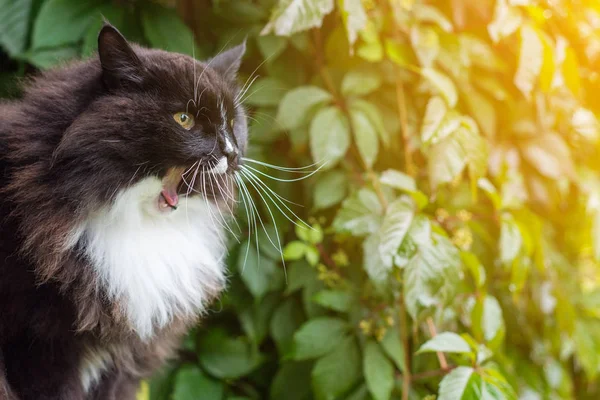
{"x": 154, "y": 264}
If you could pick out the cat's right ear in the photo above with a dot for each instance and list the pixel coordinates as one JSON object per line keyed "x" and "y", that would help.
{"x": 121, "y": 67}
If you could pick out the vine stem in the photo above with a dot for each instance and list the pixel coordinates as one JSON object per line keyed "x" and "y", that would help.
{"x": 326, "y": 257}
{"x": 441, "y": 357}
{"x": 407, "y": 378}
{"x": 432, "y": 374}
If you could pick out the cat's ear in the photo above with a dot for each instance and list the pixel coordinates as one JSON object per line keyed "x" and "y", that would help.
{"x": 228, "y": 62}
{"x": 120, "y": 65}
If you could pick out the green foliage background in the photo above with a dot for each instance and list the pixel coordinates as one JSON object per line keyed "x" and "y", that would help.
{"x": 456, "y": 224}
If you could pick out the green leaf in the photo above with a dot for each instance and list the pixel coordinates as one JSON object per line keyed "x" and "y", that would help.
{"x": 337, "y": 372}
{"x": 287, "y": 318}
{"x": 375, "y": 267}
{"x": 392, "y": 346}
{"x": 426, "y": 44}
{"x": 75, "y": 17}
{"x": 292, "y": 16}
{"x": 370, "y": 47}
{"x": 495, "y": 386}
{"x": 361, "y": 82}
{"x": 399, "y": 53}
{"x": 550, "y": 155}
{"x": 374, "y": 114}
{"x": 443, "y": 84}
{"x": 227, "y": 358}
{"x": 318, "y": 337}
{"x": 329, "y": 136}
{"x": 265, "y": 92}
{"x": 294, "y": 250}
{"x": 292, "y": 382}
{"x": 507, "y": 20}
{"x": 49, "y": 57}
{"x": 446, "y": 342}
{"x": 360, "y": 214}
{"x": 312, "y": 255}
{"x": 492, "y": 321}
{"x": 482, "y": 110}
{"x": 254, "y": 317}
{"x": 449, "y": 157}
{"x": 397, "y": 220}
{"x": 531, "y": 60}
{"x": 297, "y": 103}
{"x": 431, "y": 276}
{"x": 109, "y": 12}
{"x": 312, "y": 235}
{"x": 587, "y": 344}
{"x": 378, "y": 371}
{"x": 511, "y": 240}
{"x": 164, "y": 29}
{"x": 330, "y": 189}
{"x": 365, "y": 136}
{"x": 190, "y": 382}
{"x": 271, "y": 46}
{"x": 299, "y": 274}
{"x": 336, "y": 300}
{"x": 427, "y": 13}
{"x": 586, "y": 124}
{"x": 435, "y": 112}
{"x": 354, "y": 18}
{"x": 255, "y": 272}
{"x": 15, "y": 23}
{"x": 143, "y": 392}
{"x": 460, "y": 384}
{"x": 398, "y": 180}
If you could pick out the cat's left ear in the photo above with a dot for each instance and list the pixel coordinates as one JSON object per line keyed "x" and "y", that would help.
{"x": 228, "y": 62}
{"x": 120, "y": 65}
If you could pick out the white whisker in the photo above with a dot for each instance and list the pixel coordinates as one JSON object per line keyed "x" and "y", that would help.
{"x": 285, "y": 169}
{"x": 264, "y": 186}
{"x": 284, "y": 180}
{"x": 279, "y": 247}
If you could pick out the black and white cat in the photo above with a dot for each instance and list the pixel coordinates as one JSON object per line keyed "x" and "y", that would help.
{"x": 114, "y": 173}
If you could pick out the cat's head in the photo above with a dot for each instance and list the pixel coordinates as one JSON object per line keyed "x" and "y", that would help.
{"x": 165, "y": 115}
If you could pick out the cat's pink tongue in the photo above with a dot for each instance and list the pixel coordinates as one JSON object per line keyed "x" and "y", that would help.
{"x": 168, "y": 195}
{"x": 170, "y": 198}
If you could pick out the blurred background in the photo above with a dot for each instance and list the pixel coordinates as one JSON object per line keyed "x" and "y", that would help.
{"x": 455, "y": 241}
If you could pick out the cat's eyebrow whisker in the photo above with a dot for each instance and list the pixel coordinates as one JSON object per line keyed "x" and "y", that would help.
{"x": 210, "y": 62}
{"x": 285, "y": 180}
{"x": 253, "y": 72}
{"x": 286, "y": 169}
{"x": 266, "y": 191}
{"x": 199, "y": 98}
{"x": 243, "y": 91}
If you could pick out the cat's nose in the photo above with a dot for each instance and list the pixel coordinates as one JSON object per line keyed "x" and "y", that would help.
{"x": 230, "y": 152}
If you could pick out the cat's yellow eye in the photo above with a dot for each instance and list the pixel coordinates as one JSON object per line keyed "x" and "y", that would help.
{"x": 185, "y": 120}
{"x": 231, "y": 123}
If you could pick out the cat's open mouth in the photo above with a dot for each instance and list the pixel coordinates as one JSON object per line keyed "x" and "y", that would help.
{"x": 172, "y": 187}
{"x": 181, "y": 182}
